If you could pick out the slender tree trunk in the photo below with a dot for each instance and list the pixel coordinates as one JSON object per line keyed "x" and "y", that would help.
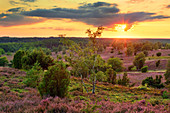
{"x": 83, "y": 83}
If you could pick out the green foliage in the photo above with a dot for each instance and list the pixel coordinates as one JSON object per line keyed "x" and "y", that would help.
{"x": 147, "y": 46}
{"x": 165, "y": 95}
{"x": 156, "y": 83}
{"x": 124, "y": 81}
{"x": 55, "y": 81}
{"x": 2, "y": 51}
{"x": 111, "y": 76}
{"x": 36, "y": 56}
{"x": 139, "y": 60}
{"x": 17, "y": 59}
{"x": 116, "y": 64}
{"x": 167, "y": 74}
{"x": 157, "y": 63}
{"x": 9, "y": 53}
{"x": 130, "y": 50}
{"x": 100, "y": 76}
{"x": 3, "y": 61}
{"x": 158, "y": 54}
{"x": 34, "y": 76}
{"x": 144, "y": 69}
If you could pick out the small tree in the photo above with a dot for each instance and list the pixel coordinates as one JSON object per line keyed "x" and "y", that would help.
{"x": 111, "y": 76}
{"x": 158, "y": 54}
{"x": 158, "y": 63}
{"x": 146, "y": 53}
{"x": 55, "y": 81}
{"x": 139, "y": 60}
{"x": 3, "y": 61}
{"x": 116, "y": 63}
{"x": 17, "y": 59}
{"x": 130, "y": 50}
{"x": 124, "y": 81}
{"x": 34, "y": 76}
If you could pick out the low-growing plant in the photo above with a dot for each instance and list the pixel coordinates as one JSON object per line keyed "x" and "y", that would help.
{"x": 124, "y": 81}
{"x": 144, "y": 69}
{"x": 156, "y": 83}
{"x": 3, "y": 61}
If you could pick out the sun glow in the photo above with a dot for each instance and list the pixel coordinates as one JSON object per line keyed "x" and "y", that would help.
{"x": 120, "y": 27}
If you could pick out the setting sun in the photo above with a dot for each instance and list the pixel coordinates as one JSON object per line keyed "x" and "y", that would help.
{"x": 120, "y": 27}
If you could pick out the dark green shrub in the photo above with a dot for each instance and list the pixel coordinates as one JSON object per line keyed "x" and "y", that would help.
{"x": 2, "y": 51}
{"x": 116, "y": 64}
{"x": 3, "y": 61}
{"x": 158, "y": 54}
{"x": 144, "y": 69}
{"x": 165, "y": 95}
{"x": 37, "y": 56}
{"x": 17, "y": 59}
{"x": 139, "y": 60}
{"x": 156, "y": 83}
{"x": 55, "y": 81}
{"x": 124, "y": 81}
{"x": 111, "y": 76}
{"x": 100, "y": 76}
{"x": 158, "y": 63}
{"x": 130, "y": 67}
{"x": 34, "y": 76}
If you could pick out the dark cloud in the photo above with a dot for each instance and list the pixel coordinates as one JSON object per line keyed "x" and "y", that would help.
{"x": 96, "y": 10}
{"x": 168, "y": 6}
{"x": 58, "y": 28}
{"x": 13, "y": 2}
{"x": 16, "y": 19}
{"x": 18, "y": 9}
{"x": 28, "y": 0}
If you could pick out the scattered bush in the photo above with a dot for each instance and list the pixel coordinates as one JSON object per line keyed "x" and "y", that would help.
{"x": 130, "y": 67}
{"x": 111, "y": 76}
{"x": 158, "y": 54}
{"x": 2, "y": 51}
{"x": 124, "y": 81}
{"x": 116, "y": 64}
{"x": 144, "y": 69}
{"x": 156, "y": 83}
{"x": 34, "y": 76}
{"x": 3, "y": 61}
{"x": 17, "y": 59}
{"x": 139, "y": 60}
{"x": 55, "y": 81}
{"x": 158, "y": 63}
{"x": 100, "y": 76}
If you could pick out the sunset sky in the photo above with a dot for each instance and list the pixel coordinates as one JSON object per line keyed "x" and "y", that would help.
{"x": 120, "y": 18}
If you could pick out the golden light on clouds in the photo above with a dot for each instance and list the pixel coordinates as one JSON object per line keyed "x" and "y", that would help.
{"x": 52, "y": 17}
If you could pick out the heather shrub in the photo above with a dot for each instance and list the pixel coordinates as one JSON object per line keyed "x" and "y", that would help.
{"x": 156, "y": 83}
{"x": 111, "y": 76}
{"x": 157, "y": 63}
{"x": 130, "y": 67}
{"x": 116, "y": 64}
{"x": 3, "y": 61}
{"x": 34, "y": 76}
{"x": 158, "y": 54}
{"x": 144, "y": 69}
{"x": 55, "y": 81}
